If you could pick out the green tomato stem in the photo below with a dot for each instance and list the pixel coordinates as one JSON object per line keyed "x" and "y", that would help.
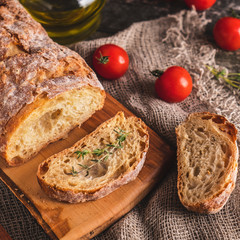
{"x": 103, "y": 59}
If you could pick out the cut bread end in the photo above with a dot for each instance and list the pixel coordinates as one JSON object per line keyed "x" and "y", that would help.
{"x": 207, "y": 162}
{"x": 99, "y": 163}
{"x": 47, "y": 120}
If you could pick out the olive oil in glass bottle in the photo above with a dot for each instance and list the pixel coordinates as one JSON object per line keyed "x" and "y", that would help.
{"x": 66, "y": 21}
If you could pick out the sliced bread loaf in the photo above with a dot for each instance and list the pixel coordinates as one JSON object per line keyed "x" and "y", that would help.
{"x": 45, "y": 89}
{"x": 102, "y": 161}
{"x": 207, "y": 162}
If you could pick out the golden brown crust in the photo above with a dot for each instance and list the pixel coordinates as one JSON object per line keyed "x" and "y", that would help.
{"x": 216, "y": 202}
{"x": 71, "y": 196}
{"x": 32, "y": 65}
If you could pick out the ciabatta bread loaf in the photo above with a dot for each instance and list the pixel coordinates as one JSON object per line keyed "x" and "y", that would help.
{"x": 207, "y": 162}
{"x": 99, "y": 163}
{"x": 46, "y": 89}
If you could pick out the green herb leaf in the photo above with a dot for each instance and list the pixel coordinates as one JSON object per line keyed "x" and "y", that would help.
{"x": 115, "y": 131}
{"x": 119, "y": 145}
{"x": 232, "y": 79}
{"x": 95, "y": 160}
{"x": 104, "y": 152}
{"x": 121, "y": 131}
{"x": 87, "y": 168}
{"x": 122, "y": 138}
{"x": 87, "y": 173}
{"x": 111, "y": 145}
{"x": 98, "y": 152}
{"x": 81, "y": 153}
{"x": 83, "y": 166}
{"x": 73, "y": 172}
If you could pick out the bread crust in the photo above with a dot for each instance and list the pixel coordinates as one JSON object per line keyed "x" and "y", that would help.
{"x": 71, "y": 196}
{"x": 216, "y": 202}
{"x": 76, "y": 197}
{"x": 32, "y": 65}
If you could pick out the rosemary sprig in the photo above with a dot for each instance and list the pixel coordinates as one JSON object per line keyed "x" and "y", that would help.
{"x": 104, "y": 153}
{"x": 232, "y": 79}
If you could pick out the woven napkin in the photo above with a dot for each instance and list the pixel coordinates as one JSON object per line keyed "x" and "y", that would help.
{"x": 173, "y": 40}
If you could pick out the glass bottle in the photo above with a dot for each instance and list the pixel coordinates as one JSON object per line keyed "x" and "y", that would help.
{"x": 66, "y": 21}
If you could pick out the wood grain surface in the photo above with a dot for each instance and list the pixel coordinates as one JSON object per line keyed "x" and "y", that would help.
{"x": 85, "y": 220}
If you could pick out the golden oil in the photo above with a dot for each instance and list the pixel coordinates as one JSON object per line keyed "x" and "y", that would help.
{"x": 66, "y": 21}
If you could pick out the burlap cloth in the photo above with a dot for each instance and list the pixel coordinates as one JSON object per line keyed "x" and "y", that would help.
{"x": 173, "y": 40}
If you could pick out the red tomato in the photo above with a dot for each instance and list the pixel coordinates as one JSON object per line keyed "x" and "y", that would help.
{"x": 174, "y": 85}
{"x": 226, "y": 33}
{"x": 200, "y": 4}
{"x": 110, "y": 61}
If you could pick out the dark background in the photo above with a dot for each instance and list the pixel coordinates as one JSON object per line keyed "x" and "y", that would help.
{"x": 120, "y": 14}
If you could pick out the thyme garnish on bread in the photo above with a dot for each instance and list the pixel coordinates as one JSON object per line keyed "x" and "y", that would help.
{"x": 104, "y": 153}
{"x": 117, "y": 149}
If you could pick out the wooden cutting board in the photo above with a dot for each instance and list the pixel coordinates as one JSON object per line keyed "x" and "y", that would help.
{"x": 85, "y": 220}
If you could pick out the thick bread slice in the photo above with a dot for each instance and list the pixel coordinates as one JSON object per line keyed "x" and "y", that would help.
{"x": 207, "y": 162}
{"x": 46, "y": 89}
{"x": 47, "y": 120}
{"x": 99, "y": 163}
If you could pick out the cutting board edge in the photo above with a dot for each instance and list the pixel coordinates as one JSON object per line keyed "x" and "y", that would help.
{"x": 22, "y": 196}
{"x": 25, "y": 200}
{"x": 120, "y": 214}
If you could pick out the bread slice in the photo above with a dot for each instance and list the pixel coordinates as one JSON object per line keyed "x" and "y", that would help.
{"x": 207, "y": 155}
{"x": 46, "y": 89}
{"x": 99, "y": 163}
{"x": 47, "y": 120}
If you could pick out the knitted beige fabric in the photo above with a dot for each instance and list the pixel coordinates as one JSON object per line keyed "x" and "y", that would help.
{"x": 173, "y": 40}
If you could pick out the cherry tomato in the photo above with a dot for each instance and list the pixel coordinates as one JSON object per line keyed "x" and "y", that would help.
{"x": 200, "y": 4}
{"x": 110, "y": 61}
{"x": 174, "y": 85}
{"x": 226, "y": 33}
